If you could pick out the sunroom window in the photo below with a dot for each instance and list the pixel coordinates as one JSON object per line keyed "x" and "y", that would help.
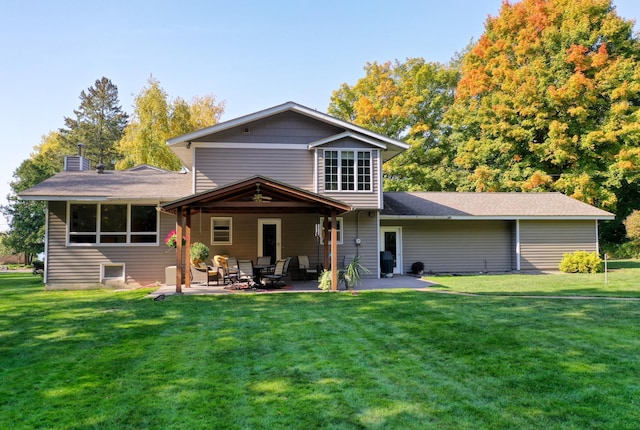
{"x": 347, "y": 170}
{"x": 116, "y": 224}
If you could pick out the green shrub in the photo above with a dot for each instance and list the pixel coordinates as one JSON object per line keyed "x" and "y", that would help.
{"x": 199, "y": 252}
{"x": 581, "y": 262}
{"x": 622, "y": 250}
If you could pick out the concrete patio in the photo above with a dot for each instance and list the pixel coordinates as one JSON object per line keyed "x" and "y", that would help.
{"x": 290, "y": 286}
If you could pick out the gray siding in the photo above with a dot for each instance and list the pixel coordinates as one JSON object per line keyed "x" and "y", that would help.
{"x": 79, "y": 266}
{"x": 219, "y": 166}
{"x": 543, "y": 243}
{"x": 457, "y": 246}
{"x": 286, "y": 127}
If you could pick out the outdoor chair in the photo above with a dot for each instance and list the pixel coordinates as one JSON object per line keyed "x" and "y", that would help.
{"x": 245, "y": 273}
{"x": 232, "y": 271}
{"x": 203, "y": 273}
{"x": 304, "y": 268}
{"x": 279, "y": 272}
{"x": 263, "y": 264}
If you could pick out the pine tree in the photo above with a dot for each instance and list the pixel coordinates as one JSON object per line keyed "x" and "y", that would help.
{"x": 99, "y": 123}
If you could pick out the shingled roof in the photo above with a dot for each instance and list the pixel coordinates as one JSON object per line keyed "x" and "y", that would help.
{"x": 454, "y": 205}
{"x": 138, "y": 183}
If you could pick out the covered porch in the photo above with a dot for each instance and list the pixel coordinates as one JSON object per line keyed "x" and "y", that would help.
{"x": 254, "y": 198}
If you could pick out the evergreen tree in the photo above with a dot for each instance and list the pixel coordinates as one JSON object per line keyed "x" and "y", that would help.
{"x": 98, "y": 124}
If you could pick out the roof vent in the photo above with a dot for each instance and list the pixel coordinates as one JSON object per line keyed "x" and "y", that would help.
{"x": 100, "y": 168}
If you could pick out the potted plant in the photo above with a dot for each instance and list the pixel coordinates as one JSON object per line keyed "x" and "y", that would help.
{"x": 417, "y": 268}
{"x": 353, "y": 274}
{"x": 199, "y": 252}
{"x": 324, "y": 281}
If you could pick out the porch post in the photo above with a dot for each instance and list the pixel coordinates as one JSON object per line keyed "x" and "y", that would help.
{"x": 325, "y": 241}
{"x": 334, "y": 251}
{"x": 187, "y": 251}
{"x": 179, "y": 236}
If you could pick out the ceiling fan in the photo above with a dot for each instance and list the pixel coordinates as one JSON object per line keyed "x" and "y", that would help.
{"x": 258, "y": 197}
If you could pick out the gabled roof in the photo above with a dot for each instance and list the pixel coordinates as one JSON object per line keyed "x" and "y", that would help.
{"x": 240, "y": 197}
{"x": 390, "y": 146}
{"x": 460, "y": 205}
{"x": 146, "y": 183}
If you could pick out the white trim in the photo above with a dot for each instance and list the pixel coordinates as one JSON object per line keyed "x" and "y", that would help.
{"x": 251, "y": 145}
{"x": 220, "y": 218}
{"x": 597, "y": 238}
{"x": 355, "y": 160}
{"x": 518, "y": 249}
{"x": 498, "y": 217}
{"x": 316, "y": 171}
{"x": 344, "y": 135}
{"x": 380, "y": 184}
{"x": 268, "y": 221}
{"x": 112, "y": 264}
{"x": 46, "y": 244}
{"x": 128, "y": 233}
{"x": 378, "y": 243}
{"x": 397, "y": 270}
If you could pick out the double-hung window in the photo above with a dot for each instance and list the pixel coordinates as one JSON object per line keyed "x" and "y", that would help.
{"x": 221, "y": 230}
{"x": 339, "y": 222}
{"x": 112, "y": 223}
{"x": 347, "y": 170}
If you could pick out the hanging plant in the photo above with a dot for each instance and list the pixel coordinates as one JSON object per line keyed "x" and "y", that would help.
{"x": 172, "y": 239}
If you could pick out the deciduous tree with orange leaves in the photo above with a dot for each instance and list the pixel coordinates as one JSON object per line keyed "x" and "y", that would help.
{"x": 549, "y": 99}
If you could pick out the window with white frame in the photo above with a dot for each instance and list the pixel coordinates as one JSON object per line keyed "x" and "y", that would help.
{"x": 112, "y": 224}
{"x": 347, "y": 170}
{"x": 339, "y": 221}
{"x": 221, "y": 230}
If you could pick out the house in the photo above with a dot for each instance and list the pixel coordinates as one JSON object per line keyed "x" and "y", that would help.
{"x": 290, "y": 181}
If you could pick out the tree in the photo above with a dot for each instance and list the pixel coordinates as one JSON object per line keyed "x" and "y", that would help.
{"x": 157, "y": 119}
{"x": 632, "y": 225}
{"x": 98, "y": 124}
{"x": 27, "y": 218}
{"x": 549, "y": 99}
{"x": 406, "y": 101}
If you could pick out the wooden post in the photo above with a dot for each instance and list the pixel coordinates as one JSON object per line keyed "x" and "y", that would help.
{"x": 334, "y": 251}
{"x": 179, "y": 250}
{"x": 187, "y": 251}
{"x": 325, "y": 240}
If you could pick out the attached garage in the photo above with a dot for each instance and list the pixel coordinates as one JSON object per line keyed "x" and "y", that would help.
{"x": 489, "y": 232}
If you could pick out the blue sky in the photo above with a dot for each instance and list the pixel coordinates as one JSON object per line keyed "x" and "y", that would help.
{"x": 249, "y": 54}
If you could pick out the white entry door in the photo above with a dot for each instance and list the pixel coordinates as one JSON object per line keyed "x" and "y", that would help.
{"x": 270, "y": 238}
{"x": 391, "y": 240}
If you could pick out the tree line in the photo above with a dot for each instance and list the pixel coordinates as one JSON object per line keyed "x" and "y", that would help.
{"x": 547, "y": 99}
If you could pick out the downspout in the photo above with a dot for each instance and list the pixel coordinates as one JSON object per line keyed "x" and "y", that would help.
{"x": 518, "y": 245}
{"x": 46, "y": 244}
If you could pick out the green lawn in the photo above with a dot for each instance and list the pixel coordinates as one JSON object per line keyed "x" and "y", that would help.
{"x": 621, "y": 280}
{"x": 380, "y": 360}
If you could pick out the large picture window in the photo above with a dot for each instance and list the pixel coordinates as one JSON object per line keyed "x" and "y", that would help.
{"x": 347, "y": 170}
{"x": 221, "y": 230}
{"x": 117, "y": 224}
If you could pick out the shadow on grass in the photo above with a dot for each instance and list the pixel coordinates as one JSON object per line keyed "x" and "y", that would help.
{"x": 623, "y": 264}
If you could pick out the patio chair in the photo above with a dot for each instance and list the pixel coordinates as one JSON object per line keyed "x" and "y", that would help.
{"x": 203, "y": 273}
{"x": 279, "y": 272}
{"x": 304, "y": 268}
{"x": 263, "y": 265}
{"x": 232, "y": 270}
{"x": 245, "y": 273}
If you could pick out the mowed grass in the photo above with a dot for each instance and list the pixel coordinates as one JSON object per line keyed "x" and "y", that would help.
{"x": 621, "y": 280}
{"x": 379, "y": 360}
